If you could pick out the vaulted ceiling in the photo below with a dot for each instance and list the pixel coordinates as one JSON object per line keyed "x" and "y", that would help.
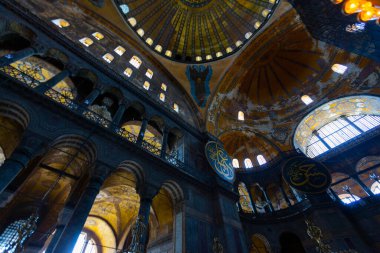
{"x": 264, "y": 77}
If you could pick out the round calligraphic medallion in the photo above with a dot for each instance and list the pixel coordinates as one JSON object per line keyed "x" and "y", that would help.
{"x": 220, "y": 161}
{"x": 306, "y": 175}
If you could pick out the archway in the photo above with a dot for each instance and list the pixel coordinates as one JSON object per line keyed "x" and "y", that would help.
{"x": 51, "y": 183}
{"x": 291, "y": 243}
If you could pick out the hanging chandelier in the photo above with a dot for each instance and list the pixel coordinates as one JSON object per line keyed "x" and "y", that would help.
{"x": 366, "y": 10}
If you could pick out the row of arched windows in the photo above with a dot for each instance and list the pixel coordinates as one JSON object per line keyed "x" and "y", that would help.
{"x": 135, "y": 61}
{"x": 248, "y": 162}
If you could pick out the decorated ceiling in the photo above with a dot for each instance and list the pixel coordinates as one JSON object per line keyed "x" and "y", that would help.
{"x": 264, "y": 77}
{"x": 196, "y": 30}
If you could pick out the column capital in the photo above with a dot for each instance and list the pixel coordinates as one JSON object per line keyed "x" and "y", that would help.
{"x": 148, "y": 192}
{"x": 101, "y": 172}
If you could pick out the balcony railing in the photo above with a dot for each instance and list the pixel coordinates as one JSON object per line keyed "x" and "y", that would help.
{"x": 28, "y": 77}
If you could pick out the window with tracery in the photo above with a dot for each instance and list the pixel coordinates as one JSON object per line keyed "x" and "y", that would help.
{"x": 348, "y": 198}
{"x": 85, "y": 244}
{"x": 340, "y": 131}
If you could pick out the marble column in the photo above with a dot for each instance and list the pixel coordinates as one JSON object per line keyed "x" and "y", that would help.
{"x": 63, "y": 219}
{"x": 74, "y": 227}
{"x": 19, "y": 55}
{"x": 164, "y": 143}
{"x": 140, "y": 137}
{"x": 89, "y": 100}
{"x": 146, "y": 197}
{"x": 45, "y": 86}
{"x": 27, "y": 149}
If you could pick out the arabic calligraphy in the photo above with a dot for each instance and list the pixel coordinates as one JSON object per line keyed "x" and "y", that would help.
{"x": 306, "y": 175}
{"x": 220, "y": 161}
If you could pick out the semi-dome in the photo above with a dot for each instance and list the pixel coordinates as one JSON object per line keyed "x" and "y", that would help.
{"x": 196, "y": 30}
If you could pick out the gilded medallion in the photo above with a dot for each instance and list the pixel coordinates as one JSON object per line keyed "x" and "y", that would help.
{"x": 220, "y": 161}
{"x": 306, "y": 175}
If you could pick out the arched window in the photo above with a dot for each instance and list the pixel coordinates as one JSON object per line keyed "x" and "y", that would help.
{"x": 146, "y": 85}
{"x": 261, "y": 160}
{"x": 124, "y": 8}
{"x": 10, "y": 236}
{"x": 241, "y": 116}
{"x": 108, "y": 57}
{"x": 335, "y": 123}
{"x": 340, "y": 131}
{"x": 245, "y": 200}
{"x": 338, "y": 68}
{"x": 235, "y": 163}
{"x": 86, "y": 41}
{"x": 248, "y": 163}
{"x": 135, "y": 61}
{"x": 162, "y": 97}
{"x": 175, "y": 107}
{"x": 85, "y": 244}
{"x": 128, "y": 72}
{"x": 60, "y": 22}
{"x": 120, "y": 50}
{"x": 375, "y": 188}
{"x": 149, "y": 74}
{"x": 306, "y": 100}
{"x": 98, "y": 35}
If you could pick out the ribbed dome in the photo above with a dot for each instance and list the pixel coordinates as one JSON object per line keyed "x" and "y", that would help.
{"x": 196, "y": 30}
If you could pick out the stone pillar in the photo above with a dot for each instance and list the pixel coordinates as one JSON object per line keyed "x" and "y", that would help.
{"x": 164, "y": 143}
{"x": 74, "y": 227}
{"x": 140, "y": 138}
{"x": 21, "y": 156}
{"x": 19, "y": 55}
{"x": 362, "y": 185}
{"x": 119, "y": 114}
{"x": 179, "y": 227}
{"x": 45, "y": 86}
{"x": 285, "y": 196}
{"x": 95, "y": 93}
{"x": 147, "y": 194}
{"x": 63, "y": 219}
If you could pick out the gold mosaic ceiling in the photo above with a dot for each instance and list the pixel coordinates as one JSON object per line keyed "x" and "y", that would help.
{"x": 196, "y": 30}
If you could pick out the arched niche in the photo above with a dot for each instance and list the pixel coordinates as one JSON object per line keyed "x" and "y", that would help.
{"x": 259, "y": 244}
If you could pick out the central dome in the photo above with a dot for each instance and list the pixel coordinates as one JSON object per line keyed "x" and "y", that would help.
{"x": 196, "y": 3}
{"x": 196, "y": 31}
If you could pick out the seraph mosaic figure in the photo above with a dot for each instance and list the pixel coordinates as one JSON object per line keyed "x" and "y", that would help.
{"x": 199, "y": 77}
